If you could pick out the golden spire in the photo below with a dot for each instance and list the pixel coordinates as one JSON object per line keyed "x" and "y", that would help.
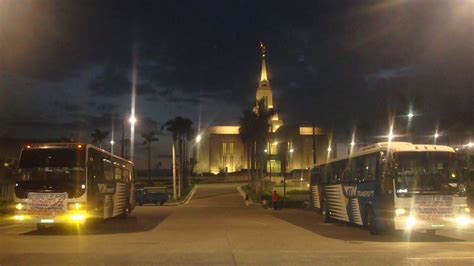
{"x": 264, "y": 66}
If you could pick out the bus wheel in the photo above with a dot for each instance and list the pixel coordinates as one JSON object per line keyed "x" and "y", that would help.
{"x": 371, "y": 222}
{"x": 325, "y": 212}
{"x": 41, "y": 227}
{"x": 431, "y": 232}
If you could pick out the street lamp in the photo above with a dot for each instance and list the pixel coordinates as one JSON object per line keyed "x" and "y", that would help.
{"x": 436, "y": 136}
{"x": 198, "y": 138}
{"x": 132, "y": 120}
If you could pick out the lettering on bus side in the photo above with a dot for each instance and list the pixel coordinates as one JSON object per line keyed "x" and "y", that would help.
{"x": 352, "y": 191}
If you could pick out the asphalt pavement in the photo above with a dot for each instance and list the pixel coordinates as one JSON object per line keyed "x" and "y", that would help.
{"x": 215, "y": 227}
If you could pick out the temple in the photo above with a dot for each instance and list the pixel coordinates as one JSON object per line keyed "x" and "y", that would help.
{"x": 221, "y": 149}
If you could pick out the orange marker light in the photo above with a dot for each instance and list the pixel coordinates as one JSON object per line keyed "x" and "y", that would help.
{"x": 79, "y": 146}
{"x": 28, "y": 146}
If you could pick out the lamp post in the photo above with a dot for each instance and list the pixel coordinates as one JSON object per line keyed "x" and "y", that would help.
{"x": 435, "y": 137}
{"x": 132, "y": 120}
{"x": 112, "y": 142}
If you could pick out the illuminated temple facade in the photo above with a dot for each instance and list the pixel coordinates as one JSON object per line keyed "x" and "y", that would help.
{"x": 221, "y": 149}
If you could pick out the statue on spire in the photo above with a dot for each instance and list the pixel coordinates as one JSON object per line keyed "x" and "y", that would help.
{"x": 262, "y": 46}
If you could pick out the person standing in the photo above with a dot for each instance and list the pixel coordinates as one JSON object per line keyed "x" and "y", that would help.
{"x": 275, "y": 199}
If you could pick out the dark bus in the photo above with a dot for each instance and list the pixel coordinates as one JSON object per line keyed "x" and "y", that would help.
{"x": 72, "y": 183}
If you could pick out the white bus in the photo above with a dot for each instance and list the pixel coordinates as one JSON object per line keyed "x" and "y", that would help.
{"x": 395, "y": 185}
{"x": 72, "y": 183}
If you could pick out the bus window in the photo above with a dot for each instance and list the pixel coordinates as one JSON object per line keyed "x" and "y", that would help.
{"x": 370, "y": 168}
{"x": 316, "y": 175}
{"x": 108, "y": 168}
{"x": 335, "y": 172}
{"x": 347, "y": 176}
{"x": 118, "y": 173}
{"x": 357, "y": 165}
{"x": 324, "y": 174}
{"x": 126, "y": 175}
{"x": 95, "y": 166}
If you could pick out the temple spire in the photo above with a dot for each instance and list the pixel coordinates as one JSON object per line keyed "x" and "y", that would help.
{"x": 263, "y": 76}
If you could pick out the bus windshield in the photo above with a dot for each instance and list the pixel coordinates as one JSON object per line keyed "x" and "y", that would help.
{"x": 426, "y": 173}
{"x": 51, "y": 170}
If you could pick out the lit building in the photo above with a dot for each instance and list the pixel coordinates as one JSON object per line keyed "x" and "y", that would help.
{"x": 221, "y": 148}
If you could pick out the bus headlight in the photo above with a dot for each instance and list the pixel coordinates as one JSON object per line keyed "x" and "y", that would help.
{"x": 77, "y": 217}
{"x": 411, "y": 221}
{"x": 76, "y": 206}
{"x": 400, "y": 212}
{"x": 19, "y": 217}
{"x": 463, "y": 220}
{"x": 20, "y": 207}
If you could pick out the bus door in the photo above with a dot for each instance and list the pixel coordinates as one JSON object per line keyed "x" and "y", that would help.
{"x": 385, "y": 190}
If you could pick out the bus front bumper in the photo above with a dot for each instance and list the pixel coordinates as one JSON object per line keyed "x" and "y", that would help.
{"x": 414, "y": 223}
{"x": 68, "y": 218}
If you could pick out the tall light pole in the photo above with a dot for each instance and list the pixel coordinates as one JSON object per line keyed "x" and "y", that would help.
{"x": 435, "y": 137}
{"x": 132, "y": 120}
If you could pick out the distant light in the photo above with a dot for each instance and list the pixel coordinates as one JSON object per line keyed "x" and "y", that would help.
{"x": 112, "y": 142}
{"x": 457, "y": 149}
{"x": 265, "y": 150}
{"x": 436, "y": 135}
{"x": 79, "y": 146}
{"x": 470, "y": 144}
{"x": 353, "y": 144}
{"x": 198, "y": 138}
{"x": 329, "y": 149}
{"x": 28, "y": 146}
{"x": 132, "y": 120}
{"x": 275, "y": 143}
{"x": 292, "y": 150}
{"x": 390, "y": 136}
{"x": 410, "y": 115}
{"x": 301, "y": 179}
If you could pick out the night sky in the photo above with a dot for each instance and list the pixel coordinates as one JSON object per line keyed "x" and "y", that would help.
{"x": 65, "y": 66}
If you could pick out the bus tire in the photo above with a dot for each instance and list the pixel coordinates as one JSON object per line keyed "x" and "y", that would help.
{"x": 325, "y": 212}
{"x": 41, "y": 227}
{"x": 371, "y": 221}
{"x": 431, "y": 232}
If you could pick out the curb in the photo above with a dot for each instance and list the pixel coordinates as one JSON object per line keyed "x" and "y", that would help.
{"x": 190, "y": 195}
{"x": 242, "y": 193}
{"x": 186, "y": 199}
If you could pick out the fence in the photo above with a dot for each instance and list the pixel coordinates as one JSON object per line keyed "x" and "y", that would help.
{"x": 6, "y": 192}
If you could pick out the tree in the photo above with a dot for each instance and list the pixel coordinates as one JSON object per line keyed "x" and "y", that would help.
{"x": 182, "y": 131}
{"x": 149, "y": 137}
{"x": 247, "y": 132}
{"x": 256, "y": 129}
{"x": 98, "y": 137}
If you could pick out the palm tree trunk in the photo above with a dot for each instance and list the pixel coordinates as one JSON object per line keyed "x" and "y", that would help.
{"x": 173, "y": 151}
{"x": 180, "y": 172}
{"x": 248, "y": 149}
{"x": 149, "y": 163}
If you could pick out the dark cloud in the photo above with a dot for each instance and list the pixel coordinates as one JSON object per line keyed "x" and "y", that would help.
{"x": 331, "y": 61}
{"x": 114, "y": 81}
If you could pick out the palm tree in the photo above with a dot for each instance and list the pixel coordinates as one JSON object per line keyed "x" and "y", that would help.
{"x": 182, "y": 131}
{"x": 149, "y": 137}
{"x": 257, "y": 128}
{"x": 172, "y": 127}
{"x": 99, "y": 136}
{"x": 247, "y": 132}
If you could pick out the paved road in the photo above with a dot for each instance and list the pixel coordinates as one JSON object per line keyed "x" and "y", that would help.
{"x": 216, "y": 227}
